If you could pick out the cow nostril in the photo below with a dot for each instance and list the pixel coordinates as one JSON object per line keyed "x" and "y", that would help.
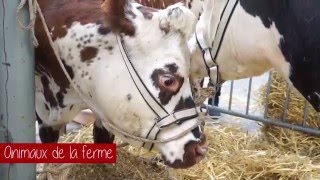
{"x": 201, "y": 151}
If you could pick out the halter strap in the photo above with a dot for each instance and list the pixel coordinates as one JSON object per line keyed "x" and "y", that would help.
{"x": 222, "y": 27}
{"x": 210, "y": 53}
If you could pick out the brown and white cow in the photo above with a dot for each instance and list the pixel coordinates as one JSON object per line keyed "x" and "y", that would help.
{"x": 263, "y": 34}
{"x": 85, "y": 37}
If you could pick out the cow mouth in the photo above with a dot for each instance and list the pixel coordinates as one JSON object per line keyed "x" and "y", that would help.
{"x": 194, "y": 153}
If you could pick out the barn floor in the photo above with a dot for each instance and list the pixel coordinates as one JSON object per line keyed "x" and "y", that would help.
{"x": 233, "y": 154}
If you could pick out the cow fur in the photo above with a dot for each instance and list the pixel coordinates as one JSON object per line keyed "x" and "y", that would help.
{"x": 84, "y": 36}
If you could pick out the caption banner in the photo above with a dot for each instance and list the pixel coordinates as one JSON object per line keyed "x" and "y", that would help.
{"x": 57, "y": 153}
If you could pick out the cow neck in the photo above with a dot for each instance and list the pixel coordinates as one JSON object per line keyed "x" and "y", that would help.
{"x": 211, "y": 52}
{"x": 163, "y": 119}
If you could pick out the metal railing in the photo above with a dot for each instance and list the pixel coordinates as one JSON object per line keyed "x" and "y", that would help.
{"x": 263, "y": 117}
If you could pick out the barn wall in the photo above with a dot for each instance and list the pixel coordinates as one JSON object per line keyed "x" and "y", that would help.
{"x": 17, "y": 118}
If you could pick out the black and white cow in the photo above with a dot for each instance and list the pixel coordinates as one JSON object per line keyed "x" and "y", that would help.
{"x": 85, "y": 37}
{"x": 264, "y": 34}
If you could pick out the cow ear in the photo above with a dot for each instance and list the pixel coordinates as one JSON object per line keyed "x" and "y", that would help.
{"x": 178, "y": 18}
{"x": 115, "y": 11}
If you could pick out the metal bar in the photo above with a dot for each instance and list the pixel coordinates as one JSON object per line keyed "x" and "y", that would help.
{"x": 63, "y": 130}
{"x": 17, "y": 112}
{"x": 286, "y": 103}
{"x": 305, "y": 113}
{"x": 311, "y": 131}
{"x": 266, "y": 106}
{"x": 230, "y": 95}
{"x": 248, "y": 97}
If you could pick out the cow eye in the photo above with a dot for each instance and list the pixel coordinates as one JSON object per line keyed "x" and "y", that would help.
{"x": 167, "y": 80}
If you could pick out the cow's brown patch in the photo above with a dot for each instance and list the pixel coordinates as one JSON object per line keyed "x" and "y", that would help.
{"x": 115, "y": 15}
{"x": 88, "y": 53}
{"x": 173, "y": 68}
{"x": 48, "y": 134}
{"x": 166, "y": 94}
{"x": 129, "y": 97}
{"x": 147, "y": 11}
{"x": 59, "y": 32}
{"x": 60, "y": 98}
{"x": 104, "y": 30}
{"x": 184, "y": 104}
{"x": 39, "y": 119}
{"x": 46, "y": 106}
{"x": 47, "y": 92}
{"x": 101, "y": 134}
{"x": 59, "y": 13}
{"x": 110, "y": 48}
{"x": 68, "y": 68}
{"x": 190, "y": 4}
{"x": 159, "y": 4}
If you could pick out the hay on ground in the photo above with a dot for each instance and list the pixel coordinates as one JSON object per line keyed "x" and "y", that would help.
{"x": 285, "y": 139}
{"x": 276, "y": 103}
{"x": 233, "y": 154}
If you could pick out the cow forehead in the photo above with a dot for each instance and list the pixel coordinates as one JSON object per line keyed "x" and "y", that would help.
{"x": 94, "y": 40}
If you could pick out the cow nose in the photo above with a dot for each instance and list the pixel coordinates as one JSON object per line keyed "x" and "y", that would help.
{"x": 202, "y": 148}
{"x": 201, "y": 151}
{"x": 195, "y": 151}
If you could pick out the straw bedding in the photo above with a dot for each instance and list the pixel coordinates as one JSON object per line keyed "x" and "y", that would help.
{"x": 277, "y": 99}
{"x": 287, "y": 140}
{"x": 233, "y": 154}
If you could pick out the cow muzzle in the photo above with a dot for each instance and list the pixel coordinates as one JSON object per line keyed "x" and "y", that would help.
{"x": 194, "y": 152}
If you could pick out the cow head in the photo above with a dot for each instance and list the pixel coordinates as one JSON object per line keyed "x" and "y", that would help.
{"x": 156, "y": 44}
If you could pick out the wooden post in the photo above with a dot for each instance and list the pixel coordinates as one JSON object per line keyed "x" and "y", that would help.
{"x": 17, "y": 111}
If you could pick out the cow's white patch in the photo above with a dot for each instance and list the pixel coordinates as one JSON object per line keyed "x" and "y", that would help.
{"x": 243, "y": 53}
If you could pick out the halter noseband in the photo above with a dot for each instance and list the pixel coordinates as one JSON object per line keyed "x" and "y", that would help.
{"x": 210, "y": 53}
{"x": 163, "y": 118}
